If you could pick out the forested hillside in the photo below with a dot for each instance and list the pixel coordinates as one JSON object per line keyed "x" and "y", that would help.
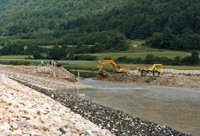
{"x": 106, "y": 24}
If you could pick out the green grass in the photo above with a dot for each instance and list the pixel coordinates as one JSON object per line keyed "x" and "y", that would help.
{"x": 143, "y": 49}
{"x": 168, "y": 54}
{"x": 14, "y": 56}
{"x": 38, "y": 61}
{"x": 138, "y": 50}
{"x": 86, "y": 66}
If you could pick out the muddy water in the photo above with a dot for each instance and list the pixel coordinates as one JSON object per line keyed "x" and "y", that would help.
{"x": 177, "y": 108}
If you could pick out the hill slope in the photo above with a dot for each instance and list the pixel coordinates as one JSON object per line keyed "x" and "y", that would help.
{"x": 66, "y": 22}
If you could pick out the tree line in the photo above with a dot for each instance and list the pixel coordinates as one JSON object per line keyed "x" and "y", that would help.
{"x": 56, "y": 52}
{"x": 151, "y": 59}
{"x": 168, "y": 24}
{"x": 70, "y": 53}
{"x": 168, "y": 40}
{"x": 108, "y": 41}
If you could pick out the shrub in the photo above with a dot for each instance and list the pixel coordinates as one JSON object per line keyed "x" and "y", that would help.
{"x": 19, "y": 63}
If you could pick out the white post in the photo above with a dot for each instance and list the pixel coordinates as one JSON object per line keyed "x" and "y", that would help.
{"x": 78, "y": 85}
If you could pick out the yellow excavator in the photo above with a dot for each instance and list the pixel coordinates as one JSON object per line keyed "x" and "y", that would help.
{"x": 115, "y": 66}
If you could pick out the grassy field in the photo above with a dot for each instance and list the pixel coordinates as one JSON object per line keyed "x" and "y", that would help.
{"x": 15, "y": 57}
{"x": 138, "y": 50}
{"x": 168, "y": 54}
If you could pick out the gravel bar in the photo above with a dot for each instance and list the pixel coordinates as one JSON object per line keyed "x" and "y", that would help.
{"x": 118, "y": 122}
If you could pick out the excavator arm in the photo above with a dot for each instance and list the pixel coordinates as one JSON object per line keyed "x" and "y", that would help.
{"x": 116, "y": 67}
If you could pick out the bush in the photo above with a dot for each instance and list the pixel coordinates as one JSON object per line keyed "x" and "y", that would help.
{"x": 125, "y": 59}
{"x": 150, "y": 59}
{"x": 107, "y": 58}
{"x": 84, "y": 57}
{"x": 19, "y": 63}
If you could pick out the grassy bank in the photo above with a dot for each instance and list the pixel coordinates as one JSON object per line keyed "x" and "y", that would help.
{"x": 8, "y": 61}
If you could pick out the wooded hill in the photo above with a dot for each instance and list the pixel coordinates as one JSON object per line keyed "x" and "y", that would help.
{"x": 169, "y": 24}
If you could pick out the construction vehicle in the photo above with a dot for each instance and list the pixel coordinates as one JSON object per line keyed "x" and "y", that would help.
{"x": 156, "y": 69}
{"x": 115, "y": 66}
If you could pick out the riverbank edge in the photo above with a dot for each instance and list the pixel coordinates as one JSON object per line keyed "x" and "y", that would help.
{"x": 118, "y": 122}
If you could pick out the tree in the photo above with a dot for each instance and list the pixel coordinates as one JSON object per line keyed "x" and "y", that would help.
{"x": 31, "y": 49}
{"x": 117, "y": 43}
{"x": 191, "y": 60}
{"x": 149, "y": 59}
{"x": 12, "y": 49}
{"x": 37, "y": 55}
{"x": 194, "y": 57}
{"x": 177, "y": 60}
{"x": 81, "y": 48}
{"x": 56, "y": 53}
{"x": 91, "y": 21}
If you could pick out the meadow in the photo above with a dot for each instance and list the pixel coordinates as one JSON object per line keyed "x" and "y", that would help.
{"x": 136, "y": 50}
{"x": 168, "y": 54}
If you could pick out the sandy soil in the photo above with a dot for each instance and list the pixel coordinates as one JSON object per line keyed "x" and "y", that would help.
{"x": 44, "y": 76}
{"x": 172, "y": 78}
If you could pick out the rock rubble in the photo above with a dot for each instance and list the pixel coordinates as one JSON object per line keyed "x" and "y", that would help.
{"x": 179, "y": 72}
{"x": 118, "y": 122}
{"x": 173, "y": 72}
{"x": 26, "y": 112}
{"x": 173, "y": 80}
{"x": 45, "y": 76}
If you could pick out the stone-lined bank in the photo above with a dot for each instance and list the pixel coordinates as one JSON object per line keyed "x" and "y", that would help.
{"x": 118, "y": 122}
{"x": 26, "y": 112}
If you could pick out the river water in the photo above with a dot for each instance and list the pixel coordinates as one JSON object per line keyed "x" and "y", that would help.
{"x": 178, "y": 108}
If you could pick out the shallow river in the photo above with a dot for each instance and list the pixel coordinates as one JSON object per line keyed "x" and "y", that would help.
{"x": 178, "y": 108}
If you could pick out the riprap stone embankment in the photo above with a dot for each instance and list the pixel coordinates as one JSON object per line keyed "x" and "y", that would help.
{"x": 26, "y": 112}
{"x": 118, "y": 122}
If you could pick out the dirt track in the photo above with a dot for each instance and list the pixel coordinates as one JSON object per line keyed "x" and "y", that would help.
{"x": 44, "y": 76}
{"x": 164, "y": 80}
